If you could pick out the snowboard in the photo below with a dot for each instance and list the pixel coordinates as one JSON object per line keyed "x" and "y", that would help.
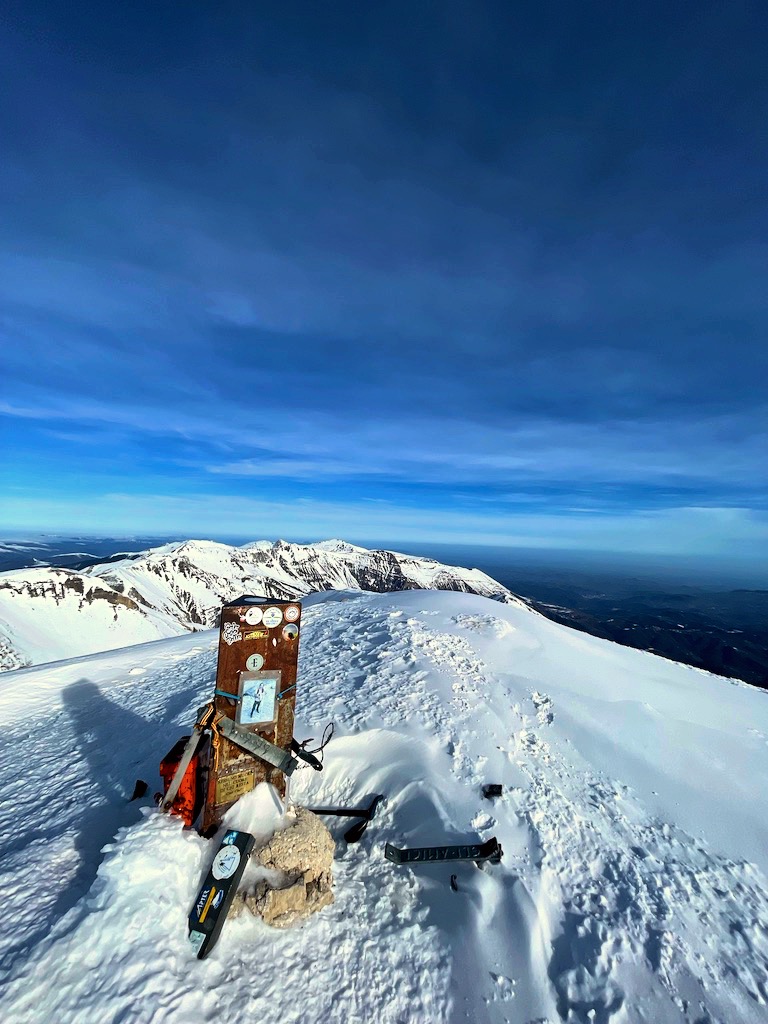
{"x": 210, "y": 909}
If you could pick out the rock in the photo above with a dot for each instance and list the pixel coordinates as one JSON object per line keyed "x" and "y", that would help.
{"x": 302, "y": 854}
{"x": 304, "y": 847}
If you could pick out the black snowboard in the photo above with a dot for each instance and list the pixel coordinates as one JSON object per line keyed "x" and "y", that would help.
{"x": 207, "y": 917}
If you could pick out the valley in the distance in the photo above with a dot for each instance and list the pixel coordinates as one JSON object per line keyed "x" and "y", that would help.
{"x": 723, "y": 632}
{"x": 714, "y": 623}
{"x": 709, "y": 625}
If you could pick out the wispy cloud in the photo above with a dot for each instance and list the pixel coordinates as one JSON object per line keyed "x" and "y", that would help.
{"x": 386, "y": 274}
{"x": 678, "y": 531}
{"x": 723, "y": 451}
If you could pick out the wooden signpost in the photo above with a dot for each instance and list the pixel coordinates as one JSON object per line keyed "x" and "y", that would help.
{"x": 246, "y": 734}
{"x": 254, "y": 701}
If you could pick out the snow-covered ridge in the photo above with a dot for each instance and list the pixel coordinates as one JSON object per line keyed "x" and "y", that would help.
{"x": 48, "y": 614}
{"x": 633, "y": 888}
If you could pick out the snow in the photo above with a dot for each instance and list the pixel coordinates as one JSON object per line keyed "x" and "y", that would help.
{"x": 339, "y": 545}
{"x": 634, "y": 882}
{"x": 47, "y": 615}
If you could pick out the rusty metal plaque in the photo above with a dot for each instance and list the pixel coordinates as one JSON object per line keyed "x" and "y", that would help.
{"x": 231, "y": 787}
{"x": 255, "y": 680}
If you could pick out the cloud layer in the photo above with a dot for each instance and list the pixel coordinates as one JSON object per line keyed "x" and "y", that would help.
{"x": 459, "y": 261}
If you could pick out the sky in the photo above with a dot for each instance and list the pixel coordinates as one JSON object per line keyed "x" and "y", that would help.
{"x": 459, "y": 272}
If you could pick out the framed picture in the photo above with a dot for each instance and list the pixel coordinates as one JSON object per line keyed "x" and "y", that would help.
{"x": 258, "y": 698}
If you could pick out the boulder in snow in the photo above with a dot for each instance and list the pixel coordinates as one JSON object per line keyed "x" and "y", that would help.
{"x": 303, "y": 856}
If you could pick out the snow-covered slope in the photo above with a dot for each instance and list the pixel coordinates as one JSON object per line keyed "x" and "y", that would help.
{"x": 49, "y": 614}
{"x": 634, "y": 822}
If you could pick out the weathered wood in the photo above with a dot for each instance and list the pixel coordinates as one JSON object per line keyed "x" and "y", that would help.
{"x": 252, "y": 652}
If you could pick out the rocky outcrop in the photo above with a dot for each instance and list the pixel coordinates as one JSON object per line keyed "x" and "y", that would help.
{"x": 300, "y": 858}
{"x": 60, "y": 585}
{"x": 9, "y": 658}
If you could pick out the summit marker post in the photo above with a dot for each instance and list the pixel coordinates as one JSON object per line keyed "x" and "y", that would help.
{"x": 255, "y": 698}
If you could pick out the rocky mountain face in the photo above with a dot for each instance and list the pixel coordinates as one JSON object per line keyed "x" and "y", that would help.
{"x": 47, "y": 614}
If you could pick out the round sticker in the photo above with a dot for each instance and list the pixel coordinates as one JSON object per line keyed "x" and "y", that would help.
{"x": 272, "y": 617}
{"x": 290, "y": 632}
{"x": 253, "y": 616}
{"x": 291, "y": 613}
{"x": 254, "y": 663}
{"x": 225, "y": 862}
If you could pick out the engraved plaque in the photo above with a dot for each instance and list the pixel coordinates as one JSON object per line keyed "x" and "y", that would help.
{"x": 230, "y": 787}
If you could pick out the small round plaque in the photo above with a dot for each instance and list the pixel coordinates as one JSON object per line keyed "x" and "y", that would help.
{"x": 225, "y": 862}
{"x": 272, "y": 617}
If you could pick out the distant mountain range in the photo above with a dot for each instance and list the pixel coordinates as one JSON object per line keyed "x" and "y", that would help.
{"x": 49, "y": 613}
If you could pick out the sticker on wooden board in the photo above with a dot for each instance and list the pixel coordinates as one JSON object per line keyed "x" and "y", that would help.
{"x": 255, "y": 662}
{"x": 231, "y": 633}
{"x": 253, "y": 616}
{"x": 292, "y": 613}
{"x": 290, "y": 632}
{"x": 272, "y": 617}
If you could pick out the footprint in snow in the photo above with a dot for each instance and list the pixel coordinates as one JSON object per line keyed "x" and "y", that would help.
{"x": 484, "y": 624}
{"x": 544, "y": 707}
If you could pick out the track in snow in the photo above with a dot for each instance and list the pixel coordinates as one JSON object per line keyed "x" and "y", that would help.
{"x": 603, "y": 910}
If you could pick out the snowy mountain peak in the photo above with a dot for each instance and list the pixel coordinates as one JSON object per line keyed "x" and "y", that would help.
{"x": 181, "y": 586}
{"x": 338, "y": 545}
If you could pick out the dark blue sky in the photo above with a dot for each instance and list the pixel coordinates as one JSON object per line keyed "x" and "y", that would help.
{"x": 450, "y": 271}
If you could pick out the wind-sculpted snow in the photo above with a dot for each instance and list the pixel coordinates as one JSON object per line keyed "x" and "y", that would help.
{"x": 633, "y": 818}
{"x": 49, "y": 614}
